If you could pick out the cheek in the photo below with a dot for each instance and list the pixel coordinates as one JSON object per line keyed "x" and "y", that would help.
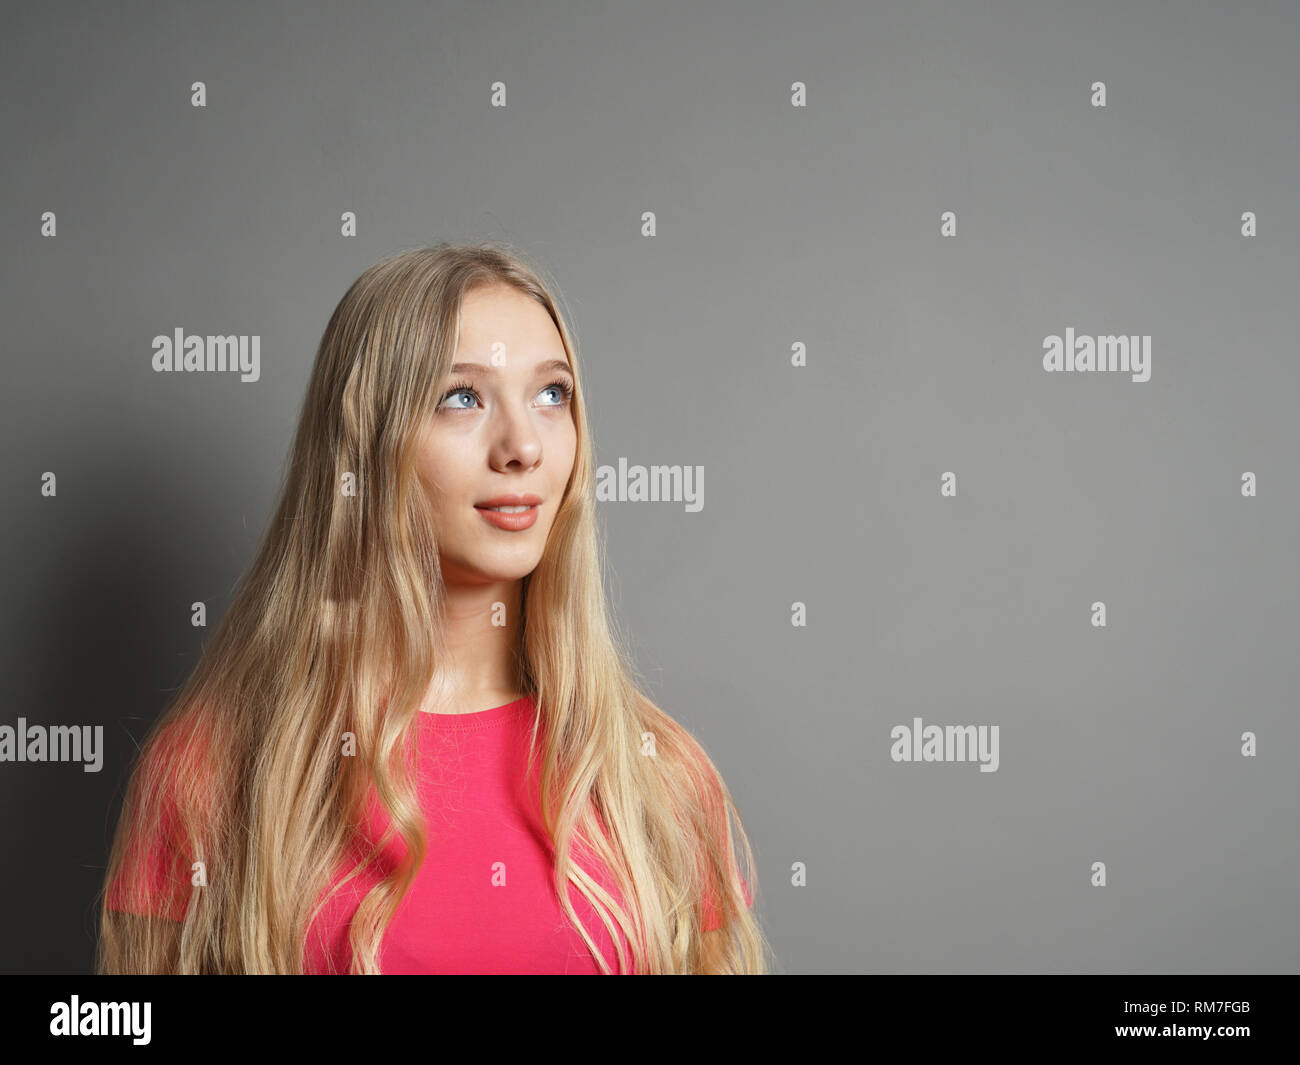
{"x": 562, "y": 469}
{"x": 568, "y": 448}
{"x": 438, "y": 483}
{"x": 443, "y": 470}
{"x": 426, "y": 467}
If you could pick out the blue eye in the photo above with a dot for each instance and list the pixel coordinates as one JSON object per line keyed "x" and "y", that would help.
{"x": 564, "y": 388}
{"x": 465, "y": 388}
{"x": 456, "y": 392}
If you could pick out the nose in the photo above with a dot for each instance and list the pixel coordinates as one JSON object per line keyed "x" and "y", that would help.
{"x": 516, "y": 442}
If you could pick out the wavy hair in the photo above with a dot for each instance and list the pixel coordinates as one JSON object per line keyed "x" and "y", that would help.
{"x": 337, "y": 628}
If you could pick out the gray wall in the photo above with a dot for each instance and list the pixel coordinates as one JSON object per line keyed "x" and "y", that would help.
{"x": 776, "y": 225}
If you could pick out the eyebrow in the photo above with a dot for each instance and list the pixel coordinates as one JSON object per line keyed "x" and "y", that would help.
{"x": 553, "y": 366}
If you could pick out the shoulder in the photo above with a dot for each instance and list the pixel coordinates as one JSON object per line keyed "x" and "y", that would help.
{"x": 705, "y": 813}
{"x": 178, "y": 764}
{"x": 169, "y": 799}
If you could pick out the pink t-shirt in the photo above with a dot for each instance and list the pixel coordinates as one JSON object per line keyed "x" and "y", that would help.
{"x": 484, "y": 899}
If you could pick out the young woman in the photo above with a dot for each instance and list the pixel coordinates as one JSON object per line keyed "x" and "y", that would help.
{"x": 414, "y": 744}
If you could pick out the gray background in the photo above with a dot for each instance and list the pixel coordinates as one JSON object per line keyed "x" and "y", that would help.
{"x": 776, "y": 225}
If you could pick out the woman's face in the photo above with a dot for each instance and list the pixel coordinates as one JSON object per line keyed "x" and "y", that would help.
{"x": 504, "y": 426}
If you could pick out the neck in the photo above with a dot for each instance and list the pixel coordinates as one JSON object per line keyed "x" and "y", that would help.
{"x": 482, "y": 632}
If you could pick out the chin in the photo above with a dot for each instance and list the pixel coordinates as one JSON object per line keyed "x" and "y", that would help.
{"x": 490, "y": 570}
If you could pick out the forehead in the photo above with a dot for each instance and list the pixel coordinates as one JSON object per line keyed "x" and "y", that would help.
{"x": 505, "y": 330}
{"x": 503, "y": 312}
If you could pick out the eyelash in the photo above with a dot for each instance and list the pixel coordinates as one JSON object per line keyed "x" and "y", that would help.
{"x": 566, "y": 390}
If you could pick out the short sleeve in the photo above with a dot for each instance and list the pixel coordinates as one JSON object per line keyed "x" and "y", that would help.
{"x": 154, "y": 877}
{"x": 711, "y": 919}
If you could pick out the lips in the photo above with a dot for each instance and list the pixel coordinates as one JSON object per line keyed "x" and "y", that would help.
{"x": 511, "y": 520}
{"x": 515, "y": 500}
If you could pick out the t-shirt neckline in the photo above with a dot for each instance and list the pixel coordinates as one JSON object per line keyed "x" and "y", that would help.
{"x": 477, "y": 719}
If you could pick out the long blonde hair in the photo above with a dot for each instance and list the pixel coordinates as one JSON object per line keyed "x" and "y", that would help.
{"x": 337, "y": 628}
